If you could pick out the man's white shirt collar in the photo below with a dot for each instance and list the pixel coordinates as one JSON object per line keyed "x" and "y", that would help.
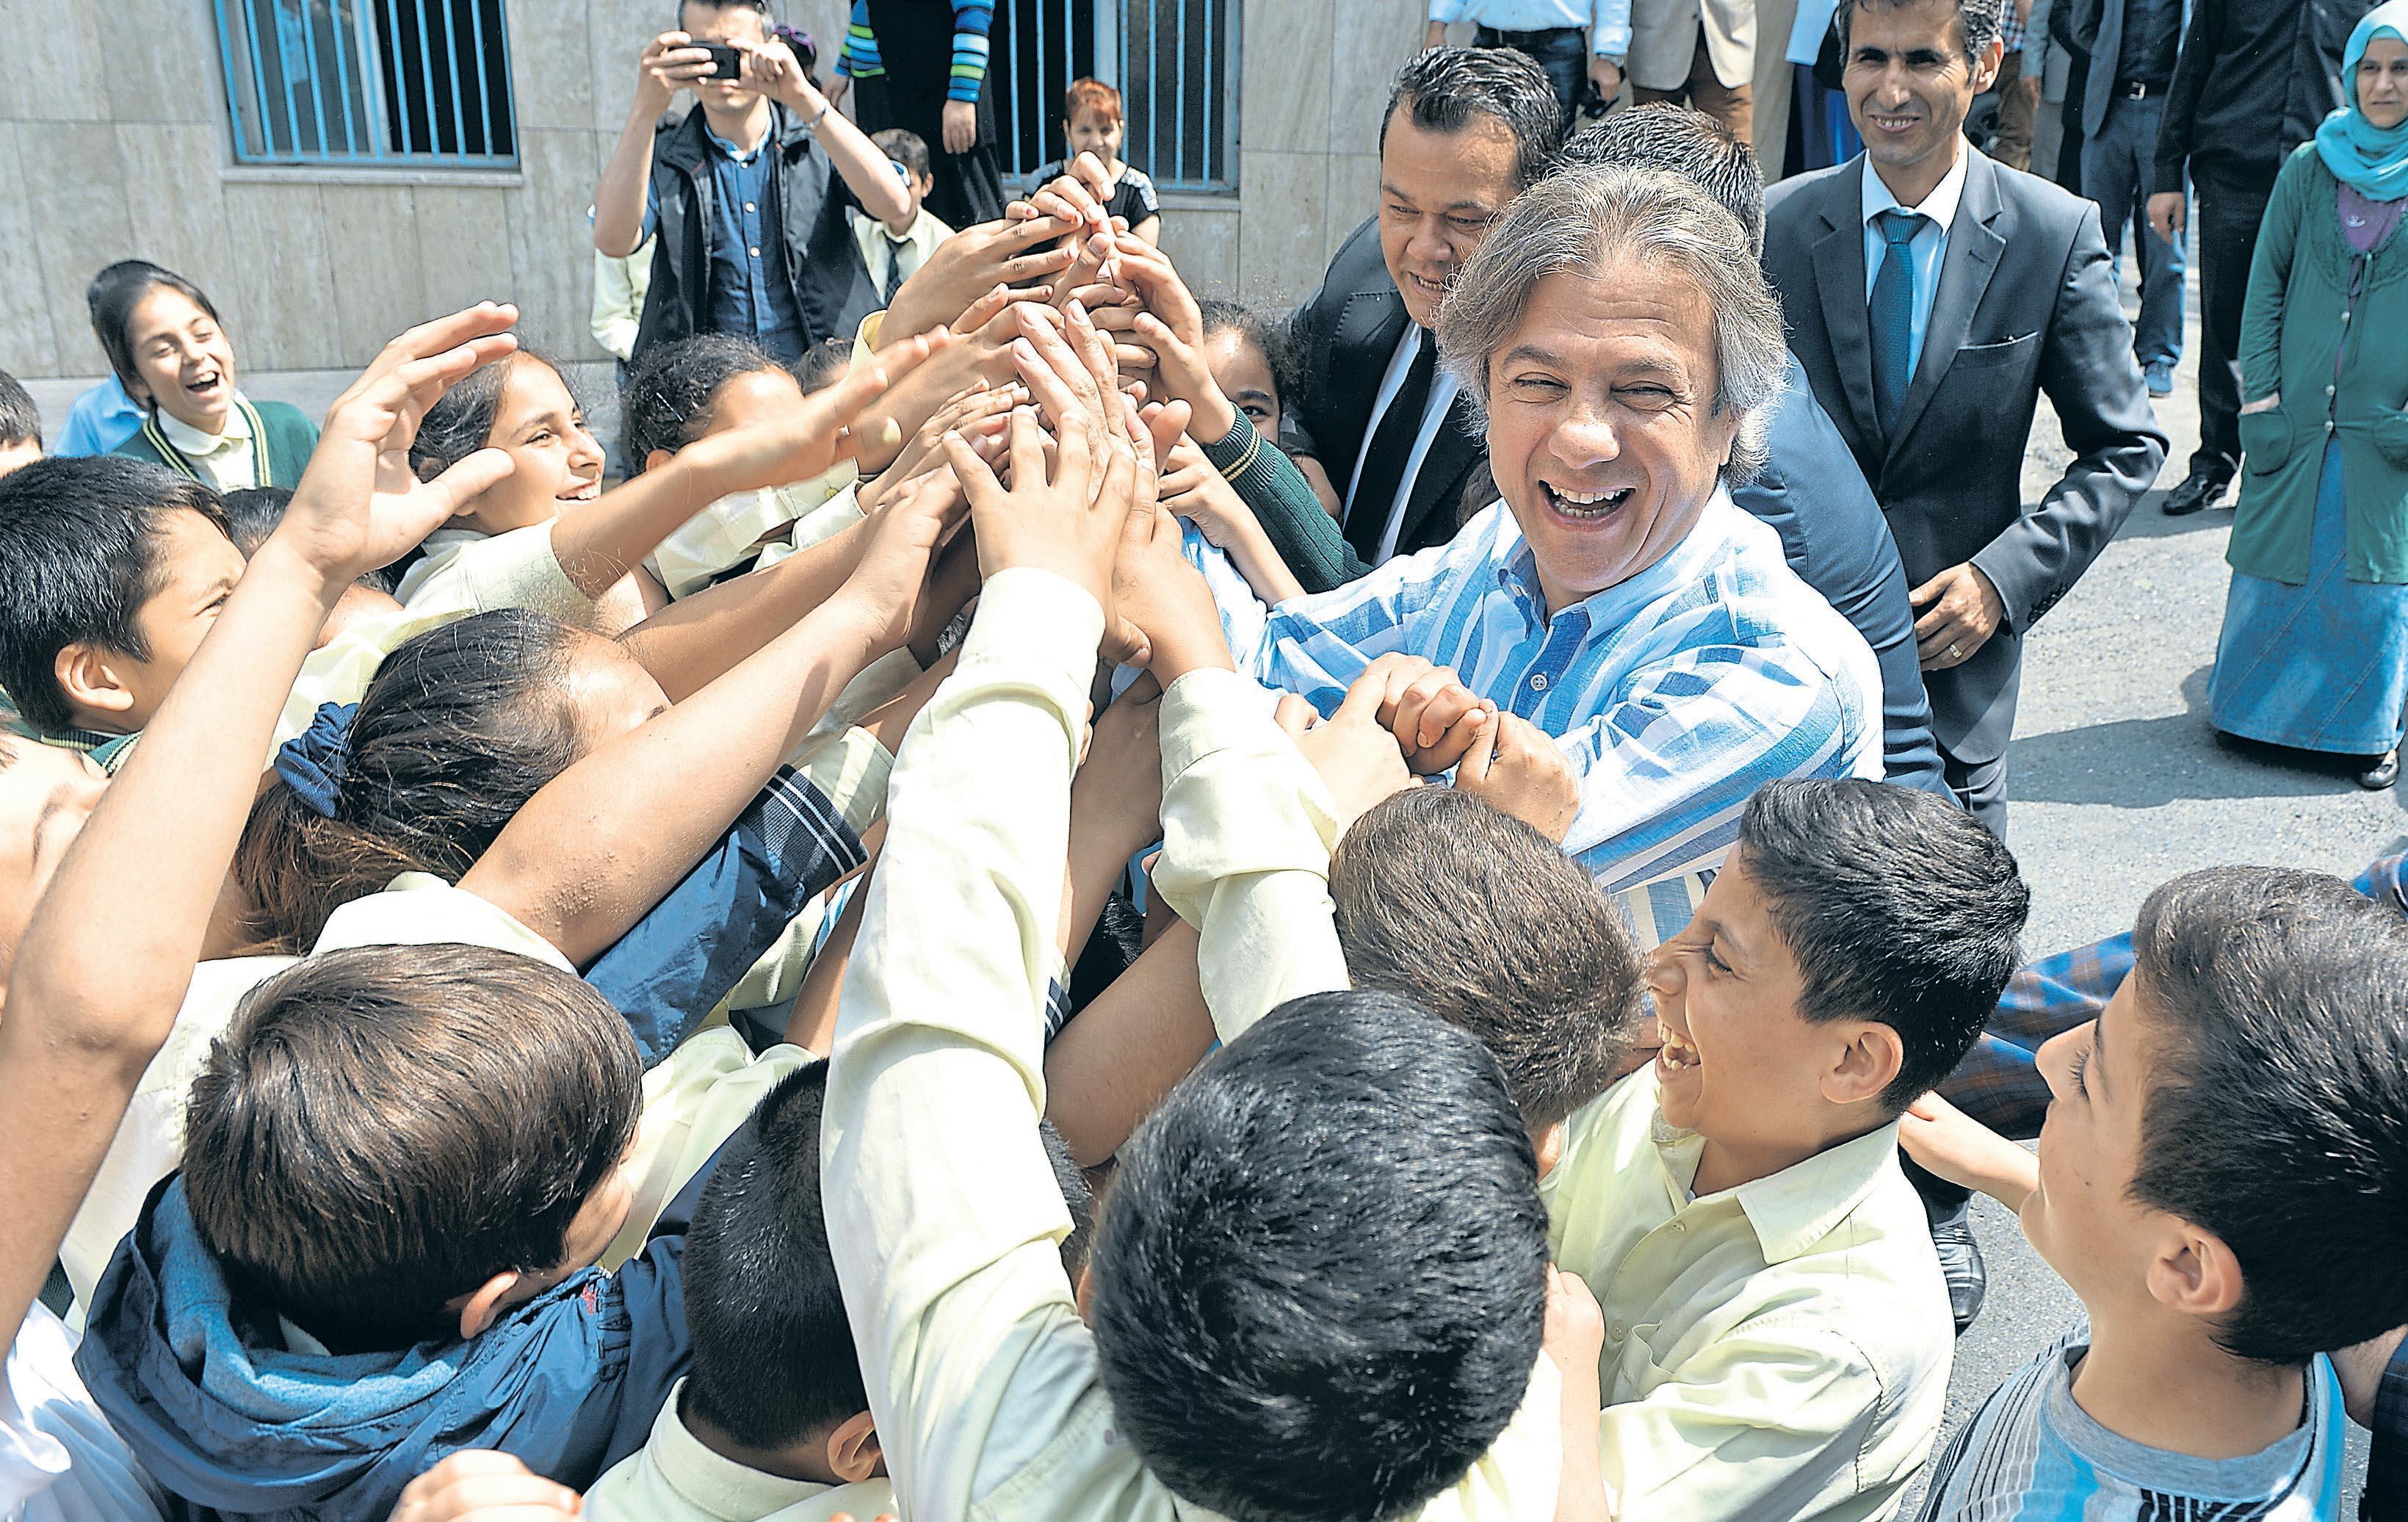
{"x": 1939, "y": 206}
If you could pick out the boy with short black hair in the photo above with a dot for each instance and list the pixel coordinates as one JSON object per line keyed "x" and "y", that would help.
{"x": 893, "y": 251}
{"x": 2223, "y": 1180}
{"x": 1092, "y": 122}
{"x": 1778, "y": 1336}
{"x": 111, "y": 571}
{"x": 20, "y": 425}
{"x": 400, "y": 1163}
{"x": 773, "y": 1416}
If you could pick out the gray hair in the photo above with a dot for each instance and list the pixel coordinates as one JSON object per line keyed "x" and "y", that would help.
{"x": 1576, "y": 222}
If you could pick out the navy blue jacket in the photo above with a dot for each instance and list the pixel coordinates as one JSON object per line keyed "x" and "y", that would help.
{"x": 217, "y": 1409}
{"x": 1834, "y": 536}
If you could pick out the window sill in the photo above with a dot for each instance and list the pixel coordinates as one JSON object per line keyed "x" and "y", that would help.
{"x": 1223, "y": 200}
{"x": 396, "y": 177}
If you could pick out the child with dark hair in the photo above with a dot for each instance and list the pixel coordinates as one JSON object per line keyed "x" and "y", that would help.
{"x": 1271, "y": 1341}
{"x": 1092, "y": 122}
{"x": 712, "y": 383}
{"x": 173, "y": 357}
{"x": 821, "y": 365}
{"x": 1778, "y": 1331}
{"x": 2220, "y": 1182}
{"x": 20, "y": 425}
{"x": 773, "y": 1417}
{"x": 252, "y": 514}
{"x": 891, "y": 251}
{"x": 111, "y": 572}
{"x": 519, "y": 544}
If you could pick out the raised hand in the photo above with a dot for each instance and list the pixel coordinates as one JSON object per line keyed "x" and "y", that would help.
{"x": 1357, "y": 756}
{"x": 891, "y": 585}
{"x": 479, "y": 1485}
{"x": 1517, "y": 767}
{"x": 1427, "y": 707}
{"x": 836, "y": 424}
{"x": 359, "y": 506}
{"x": 967, "y": 267}
{"x": 1065, "y": 507}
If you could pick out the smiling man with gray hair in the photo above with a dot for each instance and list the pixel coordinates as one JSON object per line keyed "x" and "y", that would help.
{"x": 1626, "y": 354}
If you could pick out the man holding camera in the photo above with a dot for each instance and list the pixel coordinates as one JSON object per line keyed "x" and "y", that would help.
{"x": 746, "y": 194}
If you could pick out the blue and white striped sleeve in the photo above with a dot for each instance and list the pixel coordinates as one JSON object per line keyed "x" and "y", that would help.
{"x": 1667, "y": 766}
{"x": 972, "y": 20}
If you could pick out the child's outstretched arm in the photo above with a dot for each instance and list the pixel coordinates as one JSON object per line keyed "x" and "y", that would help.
{"x": 103, "y": 967}
{"x": 600, "y": 543}
{"x": 597, "y": 845}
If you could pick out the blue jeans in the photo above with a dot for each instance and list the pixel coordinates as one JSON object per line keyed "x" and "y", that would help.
{"x": 2116, "y": 168}
{"x": 1562, "y": 53}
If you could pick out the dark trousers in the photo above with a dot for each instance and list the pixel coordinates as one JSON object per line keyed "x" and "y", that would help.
{"x": 1981, "y": 789}
{"x": 2230, "y": 207}
{"x": 1562, "y": 52}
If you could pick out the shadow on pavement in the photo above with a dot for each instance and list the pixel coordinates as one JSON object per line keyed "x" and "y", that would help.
{"x": 2145, "y": 763}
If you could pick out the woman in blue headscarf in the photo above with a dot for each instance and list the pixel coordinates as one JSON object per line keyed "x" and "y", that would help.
{"x": 2315, "y": 651}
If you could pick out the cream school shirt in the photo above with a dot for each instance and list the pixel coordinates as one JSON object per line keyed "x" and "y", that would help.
{"x": 942, "y": 1210}
{"x": 674, "y": 1478}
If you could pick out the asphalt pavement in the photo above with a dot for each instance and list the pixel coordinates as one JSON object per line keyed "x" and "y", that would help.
{"x": 2115, "y": 784}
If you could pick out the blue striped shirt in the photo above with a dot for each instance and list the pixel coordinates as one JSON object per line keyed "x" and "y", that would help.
{"x": 2031, "y": 1453}
{"x": 1675, "y": 693}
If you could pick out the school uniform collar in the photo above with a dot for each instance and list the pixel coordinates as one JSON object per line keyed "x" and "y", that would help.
{"x": 713, "y": 1484}
{"x": 1797, "y": 1207}
{"x": 194, "y": 444}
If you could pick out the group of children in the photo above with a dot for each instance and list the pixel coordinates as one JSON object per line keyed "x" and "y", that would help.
{"x": 732, "y": 994}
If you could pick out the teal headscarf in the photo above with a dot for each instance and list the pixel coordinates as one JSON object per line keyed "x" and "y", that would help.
{"x": 2371, "y": 159}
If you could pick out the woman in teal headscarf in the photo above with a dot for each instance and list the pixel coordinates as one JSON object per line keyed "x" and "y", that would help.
{"x": 2315, "y": 651}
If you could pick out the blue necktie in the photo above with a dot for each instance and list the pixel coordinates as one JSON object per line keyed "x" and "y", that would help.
{"x": 1893, "y": 316}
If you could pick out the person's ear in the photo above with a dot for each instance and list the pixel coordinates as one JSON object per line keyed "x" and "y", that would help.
{"x": 485, "y": 1305}
{"x": 91, "y": 678}
{"x": 1868, "y": 1064}
{"x": 656, "y": 459}
{"x": 1085, "y": 1295}
{"x": 1986, "y": 67}
{"x": 852, "y": 1452}
{"x": 1549, "y": 1144}
{"x": 2192, "y": 1270}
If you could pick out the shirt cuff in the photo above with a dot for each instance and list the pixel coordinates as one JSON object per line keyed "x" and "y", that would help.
{"x": 1037, "y": 623}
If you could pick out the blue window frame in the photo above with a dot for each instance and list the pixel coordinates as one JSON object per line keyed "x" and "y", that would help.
{"x": 395, "y": 83}
{"x": 1172, "y": 61}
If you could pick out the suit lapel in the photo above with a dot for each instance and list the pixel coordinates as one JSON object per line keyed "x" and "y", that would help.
{"x": 1965, "y": 271}
{"x": 1459, "y": 442}
{"x": 1839, "y": 282}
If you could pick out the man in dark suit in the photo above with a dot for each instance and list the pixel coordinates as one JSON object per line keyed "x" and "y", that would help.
{"x": 1931, "y": 296}
{"x": 1465, "y": 130}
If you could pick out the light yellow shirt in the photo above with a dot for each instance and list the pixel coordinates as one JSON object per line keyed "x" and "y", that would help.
{"x": 1776, "y": 1351}
{"x": 619, "y": 289}
{"x": 740, "y": 527}
{"x": 1248, "y": 827}
{"x": 228, "y": 458}
{"x": 461, "y": 570}
{"x": 879, "y": 252}
{"x": 674, "y": 1478}
{"x": 942, "y": 1210}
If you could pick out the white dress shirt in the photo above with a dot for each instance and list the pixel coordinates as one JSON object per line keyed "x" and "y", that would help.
{"x": 1926, "y": 250}
{"x": 1442, "y": 398}
{"x": 227, "y": 458}
{"x": 880, "y": 249}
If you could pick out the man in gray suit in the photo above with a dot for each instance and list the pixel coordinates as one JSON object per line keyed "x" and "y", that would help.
{"x": 1931, "y": 296}
{"x": 2132, "y": 46}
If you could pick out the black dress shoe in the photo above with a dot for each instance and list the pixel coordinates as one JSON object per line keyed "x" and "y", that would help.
{"x": 1960, "y": 1262}
{"x": 2381, "y": 774}
{"x": 2200, "y": 489}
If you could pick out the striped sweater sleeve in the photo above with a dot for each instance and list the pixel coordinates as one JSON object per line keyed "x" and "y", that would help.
{"x": 972, "y": 19}
{"x": 859, "y": 60}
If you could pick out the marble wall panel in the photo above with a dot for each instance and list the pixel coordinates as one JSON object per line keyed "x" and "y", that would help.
{"x": 1284, "y": 92}
{"x": 283, "y": 312}
{"x": 380, "y": 289}
{"x": 27, "y": 345}
{"x": 1283, "y": 231}
{"x": 75, "y": 185}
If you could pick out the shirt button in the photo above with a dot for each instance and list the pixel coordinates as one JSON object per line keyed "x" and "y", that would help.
{"x": 2345, "y": 317}
{"x": 1537, "y": 681}
{"x": 748, "y": 205}
{"x": 1615, "y": 1331}
{"x": 2329, "y": 391}
{"x": 1679, "y": 1228}
{"x": 754, "y": 253}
